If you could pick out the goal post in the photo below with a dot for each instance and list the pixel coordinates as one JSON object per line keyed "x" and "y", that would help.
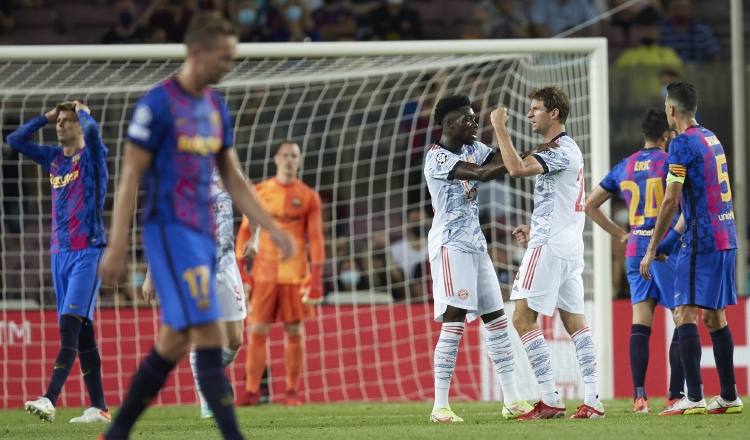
{"x": 361, "y": 113}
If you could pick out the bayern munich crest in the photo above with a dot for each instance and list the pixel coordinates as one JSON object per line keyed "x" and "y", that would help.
{"x": 463, "y": 293}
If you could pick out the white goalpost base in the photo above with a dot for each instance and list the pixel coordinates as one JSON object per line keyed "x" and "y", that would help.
{"x": 361, "y": 113}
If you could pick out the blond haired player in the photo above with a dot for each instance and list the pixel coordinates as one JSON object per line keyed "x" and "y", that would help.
{"x": 283, "y": 289}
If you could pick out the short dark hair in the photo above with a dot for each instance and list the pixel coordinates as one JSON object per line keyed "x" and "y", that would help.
{"x": 684, "y": 96}
{"x": 66, "y": 107}
{"x": 654, "y": 123}
{"x": 284, "y": 142}
{"x": 448, "y": 105}
{"x": 204, "y": 27}
{"x": 553, "y": 97}
{"x": 649, "y": 16}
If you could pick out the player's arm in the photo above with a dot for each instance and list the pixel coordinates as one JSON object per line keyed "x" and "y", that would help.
{"x": 517, "y": 166}
{"x": 593, "y": 209}
{"x": 20, "y": 139}
{"x": 493, "y": 168}
{"x": 312, "y": 286}
{"x": 134, "y": 163}
{"x": 666, "y": 214}
{"x": 242, "y": 194}
{"x": 90, "y": 130}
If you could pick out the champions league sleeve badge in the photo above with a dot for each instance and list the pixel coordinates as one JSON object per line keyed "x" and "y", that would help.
{"x": 441, "y": 158}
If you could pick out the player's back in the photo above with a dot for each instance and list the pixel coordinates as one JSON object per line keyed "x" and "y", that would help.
{"x": 641, "y": 178}
{"x": 184, "y": 133}
{"x": 698, "y": 156}
{"x": 289, "y": 206}
{"x": 559, "y": 215}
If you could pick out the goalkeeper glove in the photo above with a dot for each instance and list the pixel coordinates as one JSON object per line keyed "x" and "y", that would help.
{"x": 311, "y": 288}
{"x": 669, "y": 243}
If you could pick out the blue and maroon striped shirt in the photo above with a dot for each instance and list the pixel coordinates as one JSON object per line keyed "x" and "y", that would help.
{"x": 78, "y": 182}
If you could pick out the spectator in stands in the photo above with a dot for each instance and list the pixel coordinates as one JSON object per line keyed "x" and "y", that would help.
{"x": 128, "y": 28}
{"x": 6, "y": 16}
{"x": 251, "y": 19}
{"x": 648, "y": 54}
{"x": 552, "y": 17}
{"x": 155, "y": 36}
{"x": 411, "y": 251}
{"x": 690, "y": 38}
{"x": 349, "y": 276}
{"x": 625, "y": 18}
{"x": 394, "y": 21}
{"x": 335, "y": 21}
{"x": 384, "y": 274}
{"x": 173, "y": 16}
{"x": 296, "y": 24}
{"x": 499, "y": 19}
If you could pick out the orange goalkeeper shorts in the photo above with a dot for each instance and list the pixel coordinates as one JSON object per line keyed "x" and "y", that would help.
{"x": 270, "y": 302}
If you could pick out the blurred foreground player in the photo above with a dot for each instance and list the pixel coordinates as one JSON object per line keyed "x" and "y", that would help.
{"x": 181, "y": 130}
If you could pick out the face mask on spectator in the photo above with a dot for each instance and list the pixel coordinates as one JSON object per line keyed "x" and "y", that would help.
{"x": 350, "y": 277}
{"x": 247, "y": 16}
{"x": 663, "y": 92}
{"x": 137, "y": 279}
{"x": 293, "y": 13}
{"x": 126, "y": 18}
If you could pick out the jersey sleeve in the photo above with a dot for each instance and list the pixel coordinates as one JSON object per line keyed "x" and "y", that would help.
{"x": 92, "y": 137}
{"x": 680, "y": 157}
{"x": 314, "y": 224}
{"x": 442, "y": 165}
{"x": 21, "y": 141}
{"x": 611, "y": 181}
{"x": 151, "y": 120}
{"x": 553, "y": 161}
{"x": 483, "y": 154}
{"x": 227, "y": 140}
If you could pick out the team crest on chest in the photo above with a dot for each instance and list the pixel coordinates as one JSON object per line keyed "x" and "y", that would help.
{"x": 75, "y": 158}
{"x": 296, "y": 202}
{"x": 441, "y": 158}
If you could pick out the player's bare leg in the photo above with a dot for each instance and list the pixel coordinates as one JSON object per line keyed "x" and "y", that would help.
{"x": 446, "y": 352}
{"x": 256, "y": 363}
{"x": 294, "y": 355}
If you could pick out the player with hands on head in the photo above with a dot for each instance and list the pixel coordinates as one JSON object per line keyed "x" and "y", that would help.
{"x": 550, "y": 274}
{"x": 465, "y": 285}
{"x": 283, "y": 289}
{"x": 698, "y": 182}
{"x": 641, "y": 179}
{"x": 181, "y": 130}
{"x": 78, "y": 179}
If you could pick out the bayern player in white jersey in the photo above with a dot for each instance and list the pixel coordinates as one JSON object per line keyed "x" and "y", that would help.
{"x": 550, "y": 274}
{"x": 465, "y": 285}
{"x": 229, "y": 289}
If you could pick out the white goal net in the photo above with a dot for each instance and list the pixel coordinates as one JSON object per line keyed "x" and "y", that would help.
{"x": 362, "y": 114}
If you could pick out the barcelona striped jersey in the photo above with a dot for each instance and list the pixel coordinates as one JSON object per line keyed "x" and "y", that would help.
{"x": 641, "y": 178}
{"x": 78, "y": 183}
{"x": 184, "y": 133}
{"x": 697, "y": 156}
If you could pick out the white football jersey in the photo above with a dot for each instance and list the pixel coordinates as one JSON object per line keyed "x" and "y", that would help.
{"x": 222, "y": 208}
{"x": 559, "y": 201}
{"x": 456, "y": 221}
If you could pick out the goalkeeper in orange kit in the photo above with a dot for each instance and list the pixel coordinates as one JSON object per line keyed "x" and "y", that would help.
{"x": 283, "y": 290}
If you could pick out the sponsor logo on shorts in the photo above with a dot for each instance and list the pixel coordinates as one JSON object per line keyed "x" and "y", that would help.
{"x": 463, "y": 293}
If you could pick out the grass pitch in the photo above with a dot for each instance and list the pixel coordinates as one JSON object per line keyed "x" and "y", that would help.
{"x": 389, "y": 421}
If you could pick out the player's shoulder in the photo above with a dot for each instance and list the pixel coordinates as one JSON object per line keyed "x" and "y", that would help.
{"x": 152, "y": 102}
{"x": 437, "y": 155}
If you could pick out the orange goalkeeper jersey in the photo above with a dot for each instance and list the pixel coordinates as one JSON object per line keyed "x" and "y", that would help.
{"x": 296, "y": 209}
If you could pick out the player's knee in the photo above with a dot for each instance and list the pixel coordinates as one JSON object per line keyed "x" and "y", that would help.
{"x": 522, "y": 324}
{"x": 293, "y": 328}
{"x": 713, "y": 320}
{"x": 234, "y": 341}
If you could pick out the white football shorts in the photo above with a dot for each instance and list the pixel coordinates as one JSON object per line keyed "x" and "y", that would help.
{"x": 548, "y": 282}
{"x": 230, "y": 294}
{"x": 465, "y": 281}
